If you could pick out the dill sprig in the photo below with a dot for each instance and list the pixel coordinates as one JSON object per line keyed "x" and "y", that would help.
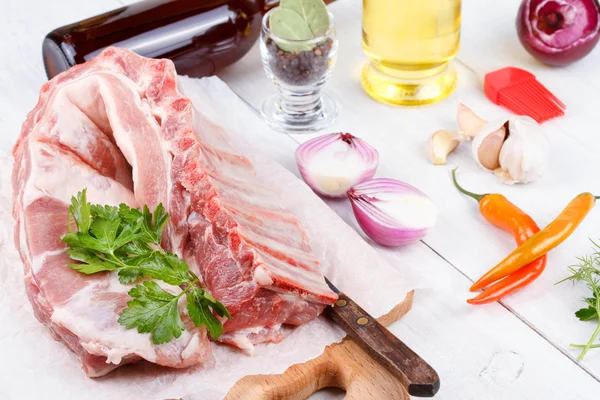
{"x": 587, "y": 271}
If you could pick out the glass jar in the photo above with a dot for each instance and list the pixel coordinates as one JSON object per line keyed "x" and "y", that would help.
{"x": 299, "y": 70}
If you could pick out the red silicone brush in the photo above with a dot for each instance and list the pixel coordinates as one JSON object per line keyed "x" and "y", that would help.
{"x": 520, "y": 92}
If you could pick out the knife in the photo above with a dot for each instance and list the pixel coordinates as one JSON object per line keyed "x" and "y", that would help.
{"x": 418, "y": 377}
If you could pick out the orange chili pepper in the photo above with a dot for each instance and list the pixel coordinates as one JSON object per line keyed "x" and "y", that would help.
{"x": 542, "y": 242}
{"x": 505, "y": 215}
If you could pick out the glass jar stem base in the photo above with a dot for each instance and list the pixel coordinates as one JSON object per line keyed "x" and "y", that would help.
{"x": 408, "y": 92}
{"x": 299, "y": 113}
{"x": 301, "y": 106}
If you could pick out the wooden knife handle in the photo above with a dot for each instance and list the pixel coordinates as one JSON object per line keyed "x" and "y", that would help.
{"x": 418, "y": 377}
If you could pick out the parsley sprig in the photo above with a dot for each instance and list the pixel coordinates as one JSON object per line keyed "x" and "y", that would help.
{"x": 588, "y": 272}
{"x": 128, "y": 240}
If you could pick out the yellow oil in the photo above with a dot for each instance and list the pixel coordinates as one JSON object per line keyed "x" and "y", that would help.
{"x": 409, "y": 44}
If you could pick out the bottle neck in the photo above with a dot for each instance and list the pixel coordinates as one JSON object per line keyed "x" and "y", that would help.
{"x": 269, "y": 4}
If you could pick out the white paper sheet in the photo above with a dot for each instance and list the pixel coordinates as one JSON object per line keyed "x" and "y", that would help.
{"x": 33, "y": 365}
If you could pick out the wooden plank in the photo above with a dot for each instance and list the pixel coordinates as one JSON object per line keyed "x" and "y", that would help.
{"x": 464, "y": 344}
{"x": 472, "y": 349}
{"x": 462, "y": 236}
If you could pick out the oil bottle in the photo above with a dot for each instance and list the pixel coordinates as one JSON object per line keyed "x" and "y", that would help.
{"x": 409, "y": 44}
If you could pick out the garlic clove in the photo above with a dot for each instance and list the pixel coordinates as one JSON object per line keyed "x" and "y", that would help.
{"x": 439, "y": 145}
{"x": 504, "y": 176}
{"x": 488, "y": 152}
{"x": 468, "y": 122}
{"x": 485, "y": 144}
{"x": 525, "y": 152}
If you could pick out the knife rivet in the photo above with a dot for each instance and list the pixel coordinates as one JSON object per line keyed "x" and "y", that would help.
{"x": 362, "y": 321}
{"x": 340, "y": 303}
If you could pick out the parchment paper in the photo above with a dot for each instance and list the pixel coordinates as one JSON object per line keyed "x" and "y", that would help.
{"x": 35, "y": 366}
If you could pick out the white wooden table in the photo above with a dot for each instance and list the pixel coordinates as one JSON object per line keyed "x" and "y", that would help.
{"x": 514, "y": 350}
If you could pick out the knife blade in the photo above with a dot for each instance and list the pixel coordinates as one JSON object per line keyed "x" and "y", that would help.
{"x": 417, "y": 376}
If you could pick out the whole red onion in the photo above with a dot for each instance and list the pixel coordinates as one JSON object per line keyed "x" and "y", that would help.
{"x": 558, "y": 32}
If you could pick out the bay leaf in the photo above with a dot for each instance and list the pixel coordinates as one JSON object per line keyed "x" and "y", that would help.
{"x": 288, "y": 24}
{"x": 314, "y": 12}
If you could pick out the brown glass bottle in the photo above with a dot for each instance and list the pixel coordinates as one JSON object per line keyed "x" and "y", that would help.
{"x": 200, "y": 36}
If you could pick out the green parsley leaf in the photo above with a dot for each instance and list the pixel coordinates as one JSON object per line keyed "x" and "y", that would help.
{"x": 90, "y": 262}
{"x": 136, "y": 247}
{"x": 127, "y": 234}
{"x": 80, "y": 210}
{"x": 83, "y": 240}
{"x": 71, "y": 240}
{"x": 200, "y": 313}
{"x": 128, "y": 214}
{"x": 160, "y": 220}
{"x": 147, "y": 229}
{"x": 153, "y": 225}
{"x": 129, "y": 275}
{"x": 105, "y": 231}
{"x": 216, "y": 305}
{"x": 165, "y": 267}
{"x": 153, "y": 310}
{"x": 104, "y": 212}
{"x": 587, "y": 314}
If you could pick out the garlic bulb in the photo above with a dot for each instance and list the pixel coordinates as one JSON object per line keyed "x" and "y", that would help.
{"x": 524, "y": 154}
{"x": 514, "y": 148}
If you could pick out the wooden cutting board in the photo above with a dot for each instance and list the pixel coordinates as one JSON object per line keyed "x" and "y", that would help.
{"x": 343, "y": 365}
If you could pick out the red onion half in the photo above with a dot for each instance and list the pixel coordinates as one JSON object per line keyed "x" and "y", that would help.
{"x": 558, "y": 32}
{"x": 332, "y": 164}
{"x": 392, "y": 213}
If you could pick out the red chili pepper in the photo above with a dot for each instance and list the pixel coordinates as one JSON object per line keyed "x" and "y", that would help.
{"x": 542, "y": 242}
{"x": 505, "y": 215}
{"x": 511, "y": 283}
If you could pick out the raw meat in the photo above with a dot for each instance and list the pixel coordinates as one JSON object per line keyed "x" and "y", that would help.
{"x": 119, "y": 126}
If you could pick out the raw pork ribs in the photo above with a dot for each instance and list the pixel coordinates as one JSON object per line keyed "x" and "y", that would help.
{"x": 119, "y": 126}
